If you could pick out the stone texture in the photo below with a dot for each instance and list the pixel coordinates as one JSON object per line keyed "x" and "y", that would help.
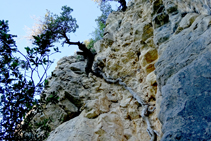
{"x": 183, "y": 72}
{"x": 108, "y": 111}
{"x": 61, "y": 101}
{"x": 161, "y": 49}
{"x": 78, "y": 67}
{"x": 190, "y": 6}
{"x": 79, "y": 128}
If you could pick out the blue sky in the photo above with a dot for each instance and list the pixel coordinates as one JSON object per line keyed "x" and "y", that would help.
{"x": 20, "y": 14}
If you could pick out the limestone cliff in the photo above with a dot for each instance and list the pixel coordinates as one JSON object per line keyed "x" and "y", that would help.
{"x": 161, "y": 50}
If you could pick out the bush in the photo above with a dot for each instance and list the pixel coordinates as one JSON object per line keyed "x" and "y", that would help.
{"x": 17, "y": 84}
{"x": 97, "y": 35}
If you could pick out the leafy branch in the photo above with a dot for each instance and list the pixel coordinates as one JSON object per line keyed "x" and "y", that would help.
{"x": 17, "y": 84}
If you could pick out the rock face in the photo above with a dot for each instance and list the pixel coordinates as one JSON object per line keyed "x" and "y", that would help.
{"x": 184, "y": 72}
{"x": 161, "y": 49}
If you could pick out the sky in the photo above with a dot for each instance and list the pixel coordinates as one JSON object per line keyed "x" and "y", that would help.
{"x": 20, "y": 15}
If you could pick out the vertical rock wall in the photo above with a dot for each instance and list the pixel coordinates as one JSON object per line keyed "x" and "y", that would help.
{"x": 184, "y": 70}
{"x": 110, "y": 112}
{"x": 159, "y": 48}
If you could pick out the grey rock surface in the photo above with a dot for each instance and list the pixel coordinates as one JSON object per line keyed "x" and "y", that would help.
{"x": 184, "y": 79}
{"x": 162, "y": 50}
{"x": 79, "y": 128}
{"x": 61, "y": 100}
{"x": 78, "y": 67}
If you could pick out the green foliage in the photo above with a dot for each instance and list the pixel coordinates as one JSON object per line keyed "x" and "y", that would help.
{"x": 78, "y": 57}
{"x": 43, "y": 125}
{"x": 122, "y": 3}
{"x": 46, "y": 82}
{"x": 59, "y": 26}
{"x": 53, "y": 98}
{"x": 18, "y": 88}
{"x": 15, "y": 89}
{"x": 97, "y": 35}
{"x": 91, "y": 43}
{"x": 17, "y": 85}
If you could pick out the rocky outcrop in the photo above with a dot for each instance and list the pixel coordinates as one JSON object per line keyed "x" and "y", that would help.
{"x": 184, "y": 71}
{"x": 161, "y": 50}
{"x": 60, "y": 101}
{"x": 106, "y": 111}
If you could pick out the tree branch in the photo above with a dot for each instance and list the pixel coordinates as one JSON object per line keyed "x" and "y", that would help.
{"x": 45, "y": 72}
{"x": 85, "y": 52}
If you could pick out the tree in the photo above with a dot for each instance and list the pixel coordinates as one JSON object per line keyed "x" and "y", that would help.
{"x": 60, "y": 26}
{"x": 122, "y": 3}
{"x": 17, "y": 85}
{"x": 106, "y": 9}
{"x": 87, "y": 53}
